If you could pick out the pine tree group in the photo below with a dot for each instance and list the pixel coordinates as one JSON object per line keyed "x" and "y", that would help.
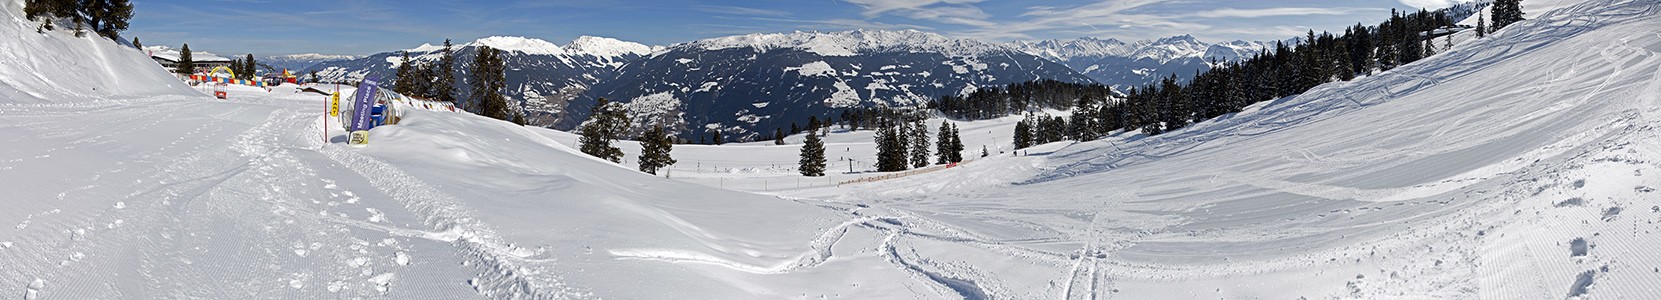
{"x": 606, "y": 123}
{"x": 891, "y": 147}
{"x": 1507, "y": 12}
{"x": 812, "y": 163}
{"x": 655, "y": 146}
{"x": 488, "y": 81}
{"x": 950, "y": 145}
{"x": 106, "y": 17}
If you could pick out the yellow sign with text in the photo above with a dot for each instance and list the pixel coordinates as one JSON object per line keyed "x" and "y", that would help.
{"x": 358, "y": 138}
{"x": 334, "y": 105}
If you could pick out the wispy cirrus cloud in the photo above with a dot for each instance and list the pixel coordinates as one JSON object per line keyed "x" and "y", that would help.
{"x": 743, "y": 11}
{"x": 875, "y": 8}
{"x": 1279, "y": 12}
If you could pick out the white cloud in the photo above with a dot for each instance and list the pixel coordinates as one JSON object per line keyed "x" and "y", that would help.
{"x": 875, "y": 8}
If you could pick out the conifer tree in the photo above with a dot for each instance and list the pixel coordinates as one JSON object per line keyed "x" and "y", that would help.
{"x": 118, "y": 18}
{"x": 944, "y": 147}
{"x": 488, "y": 83}
{"x": 185, "y": 65}
{"x": 920, "y": 144}
{"x": 1507, "y": 12}
{"x": 1481, "y": 25}
{"x": 778, "y": 136}
{"x": 957, "y": 146}
{"x": 236, "y": 66}
{"x": 1430, "y": 47}
{"x": 812, "y": 163}
{"x": 1023, "y": 134}
{"x": 136, "y": 44}
{"x": 249, "y": 66}
{"x": 891, "y": 156}
{"x": 654, "y": 150}
{"x": 606, "y": 121}
{"x": 402, "y": 84}
{"x": 718, "y": 138}
{"x": 444, "y": 85}
{"x": 983, "y": 152}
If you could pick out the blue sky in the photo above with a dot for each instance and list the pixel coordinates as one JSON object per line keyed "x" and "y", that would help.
{"x": 265, "y": 27}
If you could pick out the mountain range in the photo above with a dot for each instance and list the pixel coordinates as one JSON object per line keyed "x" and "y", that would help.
{"x": 1128, "y": 64}
{"x": 541, "y": 76}
{"x": 746, "y": 86}
{"x": 298, "y": 62}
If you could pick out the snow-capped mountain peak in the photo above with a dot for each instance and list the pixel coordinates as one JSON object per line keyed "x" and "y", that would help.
{"x": 520, "y": 44}
{"x": 848, "y": 43}
{"x": 425, "y": 48}
{"x": 1235, "y": 50}
{"x": 1170, "y": 48}
{"x": 1125, "y": 64}
{"x": 1085, "y": 47}
{"x": 313, "y": 56}
{"x": 607, "y": 47}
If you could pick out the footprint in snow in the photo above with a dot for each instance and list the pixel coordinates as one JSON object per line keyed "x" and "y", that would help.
{"x": 1610, "y": 213}
{"x": 1578, "y": 247}
{"x": 1582, "y": 284}
{"x": 32, "y": 291}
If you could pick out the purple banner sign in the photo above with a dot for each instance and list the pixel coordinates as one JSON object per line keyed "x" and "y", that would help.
{"x": 362, "y": 102}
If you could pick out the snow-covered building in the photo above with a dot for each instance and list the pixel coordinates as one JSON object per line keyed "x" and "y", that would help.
{"x": 169, "y": 58}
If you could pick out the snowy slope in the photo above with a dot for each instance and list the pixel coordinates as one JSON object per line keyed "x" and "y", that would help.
{"x": 1499, "y": 170}
{"x": 160, "y": 192}
{"x": 1520, "y": 166}
{"x": 37, "y": 68}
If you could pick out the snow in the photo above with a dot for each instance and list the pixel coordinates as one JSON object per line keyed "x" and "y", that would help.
{"x": 655, "y": 109}
{"x": 844, "y": 96}
{"x": 817, "y": 68}
{"x": 847, "y": 43}
{"x": 315, "y": 57}
{"x": 169, "y": 53}
{"x": 607, "y": 47}
{"x": 1439, "y": 179}
{"x": 521, "y": 44}
{"x": 425, "y": 48}
{"x": 1170, "y": 48}
{"x": 1086, "y": 47}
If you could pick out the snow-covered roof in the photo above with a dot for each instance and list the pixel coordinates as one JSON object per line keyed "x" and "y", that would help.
{"x": 163, "y": 52}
